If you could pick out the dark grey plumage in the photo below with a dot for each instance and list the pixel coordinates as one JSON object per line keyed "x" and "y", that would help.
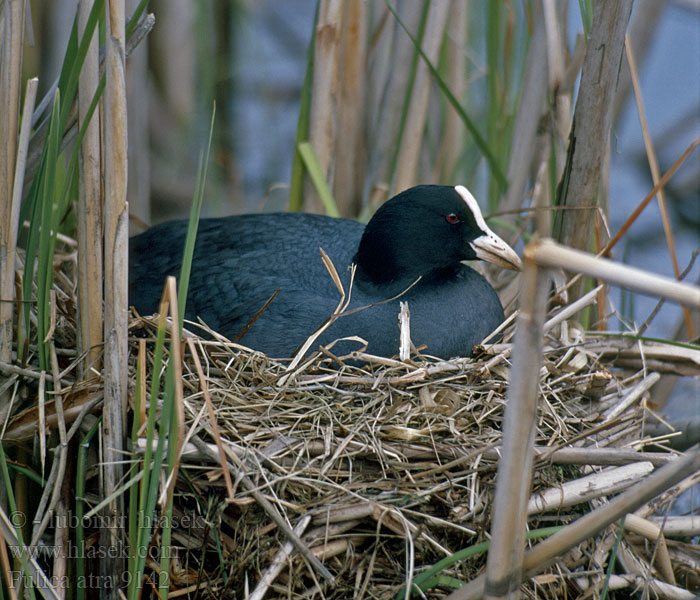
{"x": 240, "y": 261}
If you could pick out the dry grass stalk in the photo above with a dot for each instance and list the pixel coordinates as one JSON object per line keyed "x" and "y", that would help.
{"x": 212, "y": 416}
{"x": 89, "y": 214}
{"x": 238, "y": 468}
{"x": 12, "y": 22}
{"x": 650, "y": 196}
{"x": 9, "y": 222}
{"x": 116, "y": 230}
{"x": 643, "y": 23}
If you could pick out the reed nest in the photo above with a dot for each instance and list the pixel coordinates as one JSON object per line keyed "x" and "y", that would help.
{"x": 384, "y": 469}
{"x": 388, "y": 468}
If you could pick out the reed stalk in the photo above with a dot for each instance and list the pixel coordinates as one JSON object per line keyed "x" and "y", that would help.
{"x": 116, "y": 230}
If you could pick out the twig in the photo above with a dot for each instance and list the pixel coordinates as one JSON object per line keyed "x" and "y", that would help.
{"x": 609, "y": 481}
{"x": 654, "y": 168}
{"x": 238, "y": 469}
{"x": 277, "y": 564}
{"x": 649, "y": 197}
{"x": 631, "y": 397}
{"x": 653, "y": 532}
{"x": 544, "y": 552}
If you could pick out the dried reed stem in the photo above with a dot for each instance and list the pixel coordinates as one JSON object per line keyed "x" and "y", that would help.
{"x": 324, "y": 103}
{"x": 653, "y": 532}
{"x": 527, "y": 117}
{"x": 10, "y": 84}
{"x": 592, "y": 120}
{"x": 583, "y": 489}
{"x": 116, "y": 222}
{"x": 9, "y": 223}
{"x": 503, "y": 566}
{"x": 89, "y": 215}
{"x": 550, "y": 254}
{"x": 540, "y": 556}
{"x": 456, "y": 41}
{"x": 349, "y": 153}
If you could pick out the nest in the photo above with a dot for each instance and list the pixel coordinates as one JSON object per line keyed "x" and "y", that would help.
{"x": 385, "y": 472}
{"x": 388, "y": 469}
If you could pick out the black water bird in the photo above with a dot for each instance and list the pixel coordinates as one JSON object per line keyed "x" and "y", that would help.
{"x": 413, "y": 247}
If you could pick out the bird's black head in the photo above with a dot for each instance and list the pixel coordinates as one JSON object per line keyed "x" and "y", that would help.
{"x": 426, "y": 231}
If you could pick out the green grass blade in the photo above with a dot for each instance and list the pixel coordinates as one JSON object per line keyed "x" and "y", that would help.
{"x": 165, "y": 431}
{"x": 46, "y": 235}
{"x": 81, "y": 478}
{"x": 29, "y": 473}
{"x": 422, "y": 581}
{"x": 12, "y": 504}
{"x": 169, "y": 412}
{"x": 296, "y": 186}
{"x": 314, "y": 169}
{"x": 133, "y": 513}
{"x": 195, "y": 211}
{"x": 75, "y": 57}
{"x": 586, "y": 8}
{"x": 611, "y": 561}
{"x": 135, "y": 17}
{"x": 152, "y": 461}
{"x": 166, "y": 423}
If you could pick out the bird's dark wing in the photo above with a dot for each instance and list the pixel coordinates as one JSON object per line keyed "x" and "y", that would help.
{"x": 239, "y": 262}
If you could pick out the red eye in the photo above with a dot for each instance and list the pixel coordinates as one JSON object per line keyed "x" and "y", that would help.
{"x": 452, "y": 218}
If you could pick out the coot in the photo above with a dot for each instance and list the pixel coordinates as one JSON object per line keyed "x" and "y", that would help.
{"x": 423, "y": 234}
